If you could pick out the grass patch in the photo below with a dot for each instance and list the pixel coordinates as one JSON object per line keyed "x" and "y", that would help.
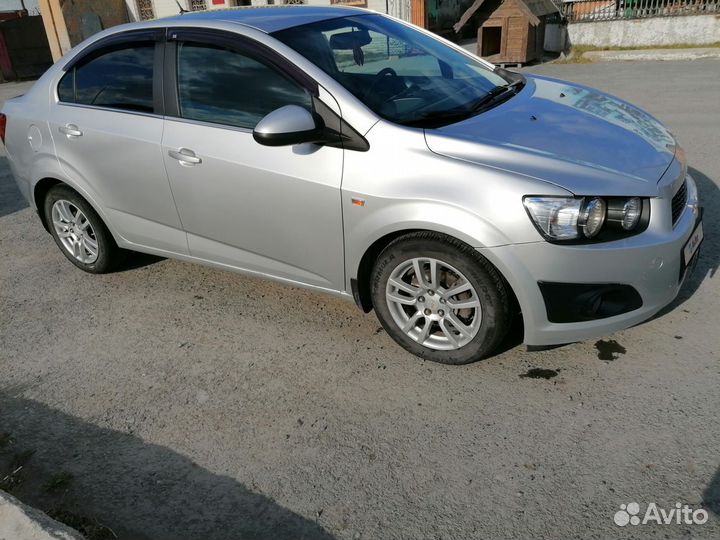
{"x": 58, "y": 482}
{"x": 16, "y": 473}
{"x": 573, "y": 59}
{"x": 11, "y": 481}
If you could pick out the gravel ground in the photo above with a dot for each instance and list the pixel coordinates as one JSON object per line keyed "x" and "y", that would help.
{"x": 175, "y": 401}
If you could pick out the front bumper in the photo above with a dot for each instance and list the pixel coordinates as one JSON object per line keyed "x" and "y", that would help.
{"x": 651, "y": 263}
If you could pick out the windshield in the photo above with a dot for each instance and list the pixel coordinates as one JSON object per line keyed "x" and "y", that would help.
{"x": 402, "y": 74}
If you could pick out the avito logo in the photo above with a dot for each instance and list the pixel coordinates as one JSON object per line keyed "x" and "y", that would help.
{"x": 681, "y": 514}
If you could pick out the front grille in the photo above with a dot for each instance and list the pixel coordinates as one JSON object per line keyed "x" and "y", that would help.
{"x": 679, "y": 201}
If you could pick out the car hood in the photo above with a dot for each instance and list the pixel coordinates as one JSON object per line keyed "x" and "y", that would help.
{"x": 572, "y": 136}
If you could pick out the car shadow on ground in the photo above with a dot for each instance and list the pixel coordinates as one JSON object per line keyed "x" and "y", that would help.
{"x": 136, "y": 260}
{"x": 711, "y": 495}
{"x": 118, "y": 482}
{"x": 514, "y": 337}
{"x": 11, "y": 200}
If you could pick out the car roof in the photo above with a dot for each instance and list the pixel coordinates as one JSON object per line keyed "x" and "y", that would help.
{"x": 270, "y": 18}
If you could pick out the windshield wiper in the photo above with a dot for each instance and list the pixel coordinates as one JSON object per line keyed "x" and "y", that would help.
{"x": 492, "y": 98}
{"x": 496, "y": 95}
{"x": 437, "y": 119}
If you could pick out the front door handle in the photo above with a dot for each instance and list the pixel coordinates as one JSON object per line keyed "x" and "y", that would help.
{"x": 185, "y": 156}
{"x": 71, "y": 130}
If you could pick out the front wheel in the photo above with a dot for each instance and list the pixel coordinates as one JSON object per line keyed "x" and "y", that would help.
{"x": 440, "y": 299}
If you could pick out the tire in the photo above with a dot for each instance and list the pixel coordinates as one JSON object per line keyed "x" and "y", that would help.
{"x": 97, "y": 248}
{"x": 485, "y": 317}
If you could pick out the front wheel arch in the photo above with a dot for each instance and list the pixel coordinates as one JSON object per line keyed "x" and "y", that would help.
{"x": 430, "y": 323}
{"x": 361, "y": 284}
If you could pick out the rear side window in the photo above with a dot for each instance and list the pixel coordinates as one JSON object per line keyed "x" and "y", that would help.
{"x": 222, "y": 86}
{"x": 66, "y": 88}
{"x": 121, "y": 78}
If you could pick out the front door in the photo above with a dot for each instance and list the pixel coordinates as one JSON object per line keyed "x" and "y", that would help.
{"x": 270, "y": 210}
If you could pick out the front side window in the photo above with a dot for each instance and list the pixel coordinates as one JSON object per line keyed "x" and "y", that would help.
{"x": 222, "y": 86}
{"x": 400, "y": 73}
{"x": 121, "y": 78}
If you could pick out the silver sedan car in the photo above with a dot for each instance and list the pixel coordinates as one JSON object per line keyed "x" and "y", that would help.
{"x": 353, "y": 153}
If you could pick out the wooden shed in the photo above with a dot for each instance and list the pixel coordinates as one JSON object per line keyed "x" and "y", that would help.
{"x": 509, "y": 31}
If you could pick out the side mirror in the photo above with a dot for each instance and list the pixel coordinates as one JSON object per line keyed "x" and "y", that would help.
{"x": 287, "y": 126}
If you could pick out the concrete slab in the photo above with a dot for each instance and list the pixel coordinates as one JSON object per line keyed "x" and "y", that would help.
{"x": 19, "y": 521}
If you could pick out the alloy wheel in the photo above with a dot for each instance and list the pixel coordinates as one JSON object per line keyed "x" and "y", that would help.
{"x": 433, "y": 303}
{"x": 75, "y": 231}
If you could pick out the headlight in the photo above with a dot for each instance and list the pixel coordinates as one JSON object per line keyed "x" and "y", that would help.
{"x": 557, "y": 217}
{"x": 574, "y": 219}
{"x": 631, "y": 213}
{"x": 593, "y": 217}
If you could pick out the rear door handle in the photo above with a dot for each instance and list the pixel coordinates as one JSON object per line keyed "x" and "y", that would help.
{"x": 185, "y": 156}
{"x": 71, "y": 130}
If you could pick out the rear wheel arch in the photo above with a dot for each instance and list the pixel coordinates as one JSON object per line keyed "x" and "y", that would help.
{"x": 43, "y": 186}
{"x": 40, "y": 191}
{"x": 79, "y": 231}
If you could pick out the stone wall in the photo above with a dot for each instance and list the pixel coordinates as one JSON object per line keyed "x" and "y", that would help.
{"x": 656, "y": 31}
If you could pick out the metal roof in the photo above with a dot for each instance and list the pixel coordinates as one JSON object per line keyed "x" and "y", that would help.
{"x": 541, "y": 7}
{"x": 269, "y": 18}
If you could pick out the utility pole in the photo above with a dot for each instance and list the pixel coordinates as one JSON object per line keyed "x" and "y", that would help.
{"x": 55, "y": 28}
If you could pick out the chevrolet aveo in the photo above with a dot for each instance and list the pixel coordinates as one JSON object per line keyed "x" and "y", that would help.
{"x": 352, "y": 153}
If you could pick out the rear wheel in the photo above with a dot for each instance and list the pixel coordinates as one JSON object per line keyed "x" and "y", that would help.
{"x": 440, "y": 299}
{"x": 79, "y": 232}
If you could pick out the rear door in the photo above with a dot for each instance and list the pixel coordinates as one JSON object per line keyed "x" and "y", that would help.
{"x": 271, "y": 210}
{"x": 107, "y": 127}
